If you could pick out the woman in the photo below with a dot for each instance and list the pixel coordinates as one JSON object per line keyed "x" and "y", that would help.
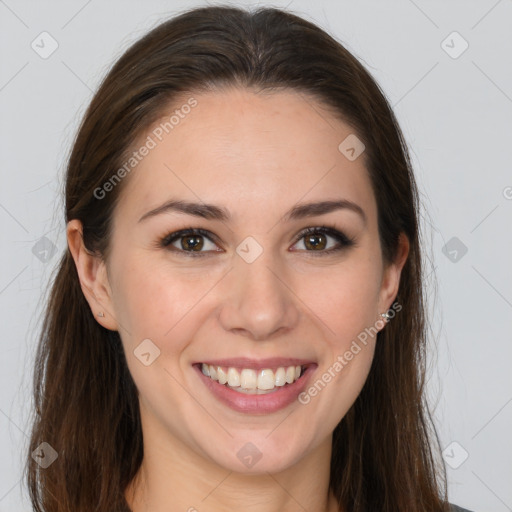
{"x": 238, "y": 321}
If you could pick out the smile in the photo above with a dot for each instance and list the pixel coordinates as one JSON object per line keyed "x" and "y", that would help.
{"x": 256, "y": 387}
{"x": 250, "y": 381}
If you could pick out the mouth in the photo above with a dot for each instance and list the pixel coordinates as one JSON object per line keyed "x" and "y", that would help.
{"x": 253, "y": 387}
{"x": 254, "y": 381}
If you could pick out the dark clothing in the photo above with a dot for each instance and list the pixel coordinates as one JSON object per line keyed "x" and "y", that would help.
{"x": 455, "y": 508}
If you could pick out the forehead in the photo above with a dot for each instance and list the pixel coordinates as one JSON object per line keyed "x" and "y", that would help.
{"x": 246, "y": 151}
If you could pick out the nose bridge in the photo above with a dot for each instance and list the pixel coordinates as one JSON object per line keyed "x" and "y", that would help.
{"x": 257, "y": 302}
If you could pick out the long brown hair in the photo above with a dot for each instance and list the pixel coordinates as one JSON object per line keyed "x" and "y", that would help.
{"x": 385, "y": 450}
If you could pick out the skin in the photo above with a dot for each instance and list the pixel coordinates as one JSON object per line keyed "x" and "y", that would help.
{"x": 257, "y": 155}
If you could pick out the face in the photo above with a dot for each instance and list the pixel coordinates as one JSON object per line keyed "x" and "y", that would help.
{"x": 263, "y": 281}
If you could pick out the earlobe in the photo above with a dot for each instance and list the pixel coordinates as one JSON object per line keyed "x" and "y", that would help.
{"x": 93, "y": 277}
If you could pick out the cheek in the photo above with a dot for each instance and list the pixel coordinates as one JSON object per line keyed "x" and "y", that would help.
{"x": 344, "y": 297}
{"x": 153, "y": 302}
{"x": 346, "y": 301}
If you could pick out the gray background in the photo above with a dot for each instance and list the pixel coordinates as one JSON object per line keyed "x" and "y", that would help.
{"x": 455, "y": 111}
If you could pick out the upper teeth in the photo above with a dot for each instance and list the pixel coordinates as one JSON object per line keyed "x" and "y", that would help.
{"x": 252, "y": 379}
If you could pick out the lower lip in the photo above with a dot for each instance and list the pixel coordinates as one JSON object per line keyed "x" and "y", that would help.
{"x": 254, "y": 404}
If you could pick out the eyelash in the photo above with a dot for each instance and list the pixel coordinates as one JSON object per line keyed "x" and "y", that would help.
{"x": 344, "y": 242}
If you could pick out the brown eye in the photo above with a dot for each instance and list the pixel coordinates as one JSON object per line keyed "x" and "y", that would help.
{"x": 192, "y": 242}
{"x": 315, "y": 242}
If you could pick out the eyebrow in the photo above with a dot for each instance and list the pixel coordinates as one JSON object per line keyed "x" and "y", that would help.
{"x": 213, "y": 212}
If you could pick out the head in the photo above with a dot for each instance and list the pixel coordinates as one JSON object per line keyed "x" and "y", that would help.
{"x": 252, "y": 117}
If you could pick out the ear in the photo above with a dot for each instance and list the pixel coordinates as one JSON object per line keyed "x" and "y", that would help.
{"x": 92, "y": 273}
{"x": 391, "y": 276}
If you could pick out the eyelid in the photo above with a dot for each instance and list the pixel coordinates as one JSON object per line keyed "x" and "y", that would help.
{"x": 168, "y": 239}
{"x": 343, "y": 240}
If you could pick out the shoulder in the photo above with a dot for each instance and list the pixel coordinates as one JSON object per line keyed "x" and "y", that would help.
{"x": 455, "y": 508}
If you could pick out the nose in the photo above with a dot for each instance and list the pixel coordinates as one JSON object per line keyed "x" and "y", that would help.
{"x": 257, "y": 300}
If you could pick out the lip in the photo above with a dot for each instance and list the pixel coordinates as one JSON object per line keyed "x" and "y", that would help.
{"x": 257, "y": 404}
{"x": 256, "y": 364}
